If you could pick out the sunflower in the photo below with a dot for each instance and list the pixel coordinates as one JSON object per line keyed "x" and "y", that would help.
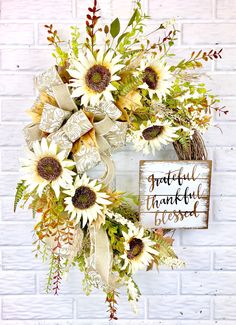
{"x": 156, "y": 77}
{"x": 151, "y": 136}
{"x": 46, "y": 165}
{"x": 85, "y": 200}
{"x": 138, "y": 250}
{"x": 93, "y": 77}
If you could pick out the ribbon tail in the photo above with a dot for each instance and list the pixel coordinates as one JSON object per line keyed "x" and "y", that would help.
{"x": 102, "y": 257}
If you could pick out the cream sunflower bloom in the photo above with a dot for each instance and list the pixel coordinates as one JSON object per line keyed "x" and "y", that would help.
{"x": 139, "y": 250}
{"x": 157, "y": 77}
{"x": 46, "y": 165}
{"x": 85, "y": 201}
{"x": 151, "y": 136}
{"x": 93, "y": 77}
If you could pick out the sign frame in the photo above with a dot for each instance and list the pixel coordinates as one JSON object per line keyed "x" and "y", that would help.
{"x": 179, "y": 163}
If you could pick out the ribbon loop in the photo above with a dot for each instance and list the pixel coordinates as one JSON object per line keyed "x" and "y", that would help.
{"x": 61, "y": 121}
{"x": 63, "y": 98}
{"x": 104, "y": 126}
{"x": 52, "y": 118}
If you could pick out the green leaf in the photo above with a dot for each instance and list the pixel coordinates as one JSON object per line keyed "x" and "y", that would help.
{"x": 121, "y": 37}
{"x": 115, "y": 28}
{"x": 20, "y": 188}
{"x": 133, "y": 17}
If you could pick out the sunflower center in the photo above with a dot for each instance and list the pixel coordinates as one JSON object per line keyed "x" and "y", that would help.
{"x": 135, "y": 248}
{"x": 151, "y": 78}
{"x": 98, "y": 78}
{"x": 84, "y": 198}
{"x": 152, "y": 132}
{"x": 49, "y": 168}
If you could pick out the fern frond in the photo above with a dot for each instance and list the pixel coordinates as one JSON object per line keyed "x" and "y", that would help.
{"x": 164, "y": 247}
{"x": 20, "y": 188}
{"x": 185, "y": 142}
{"x": 130, "y": 83}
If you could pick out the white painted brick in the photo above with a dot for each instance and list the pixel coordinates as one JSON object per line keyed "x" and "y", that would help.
{"x": 230, "y": 105}
{"x": 11, "y": 181}
{"x": 222, "y": 84}
{"x": 225, "y": 259}
{"x": 224, "y": 209}
{"x": 118, "y": 322}
{"x": 223, "y": 184}
{"x": 10, "y": 160}
{"x": 29, "y": 9}
{"x": 208, "y": 283}
{"x": 37, "y": 307}
{"x": 151, "y": 283}
{"x": 225, "y": 159}
{"x": 217, "y": 234}
{"x": 119, "y": 6}
{"x": 191, "y": 255}
{"x": 226, "y": 9}
{"x": 7, "y": 213}
{"x": 32, "y": 322}
{"x": 26, "y": 59}
{"x": 11, "y": 33}
{"x": 12, "y": 283}
{"x": 225, "y": 308}
{"x": 209, "y": 33}
{"x": 228, "y": 61}
{"x": 16, "y": 85}
{"x": 21, "y": 259}
{"x": 13, "y": 234}
{"x": 182, "y": 9}
{"x": 14, "y": 110}
{"x": 97, "y": 309}
{"x": 51, "y": 322}
{"x": 220, "y": 135}
{"x": 178, "y": 307}
{"x": 11, "y": 134}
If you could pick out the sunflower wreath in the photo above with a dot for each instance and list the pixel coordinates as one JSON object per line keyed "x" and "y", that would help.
{"x": 94, "y": 101}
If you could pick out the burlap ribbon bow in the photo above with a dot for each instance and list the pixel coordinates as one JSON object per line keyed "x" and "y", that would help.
{"x": 65, "y": 124}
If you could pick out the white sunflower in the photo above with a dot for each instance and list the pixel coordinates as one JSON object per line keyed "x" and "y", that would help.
{"x": 151, "y": 136}
{"x": 85, "y": 201}
{"x": 157, "y": 77}
{"x": 46, "y": 165}
{"x": 139, "y": 250}
{"x": 92, "y": 77}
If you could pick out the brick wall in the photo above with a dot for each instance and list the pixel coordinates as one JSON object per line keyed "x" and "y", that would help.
{"x": 202, "y": 294}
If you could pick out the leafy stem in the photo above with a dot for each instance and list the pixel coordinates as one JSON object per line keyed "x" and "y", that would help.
{"x": 54, "y": 39}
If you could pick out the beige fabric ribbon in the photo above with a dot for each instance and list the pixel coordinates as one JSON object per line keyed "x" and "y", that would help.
{"x": 101, "y": 255}
{"x": 101, "y": 259}
{"x": 105, "y": 129}
{"x": 65, "y": 125}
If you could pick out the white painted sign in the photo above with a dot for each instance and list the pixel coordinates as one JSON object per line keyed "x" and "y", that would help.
{"x": 175, "y": 194}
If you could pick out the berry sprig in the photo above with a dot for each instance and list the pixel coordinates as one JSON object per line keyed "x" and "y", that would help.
{"x": 212, "y": 54}
{"x": 53, "y": 37}
{"x": 91, "y": 22}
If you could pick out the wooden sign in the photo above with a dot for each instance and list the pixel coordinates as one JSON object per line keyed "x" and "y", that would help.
{"x": 175, "y": 194}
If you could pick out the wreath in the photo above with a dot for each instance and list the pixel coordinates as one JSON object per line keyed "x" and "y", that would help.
{"x": 90, "y": 104}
